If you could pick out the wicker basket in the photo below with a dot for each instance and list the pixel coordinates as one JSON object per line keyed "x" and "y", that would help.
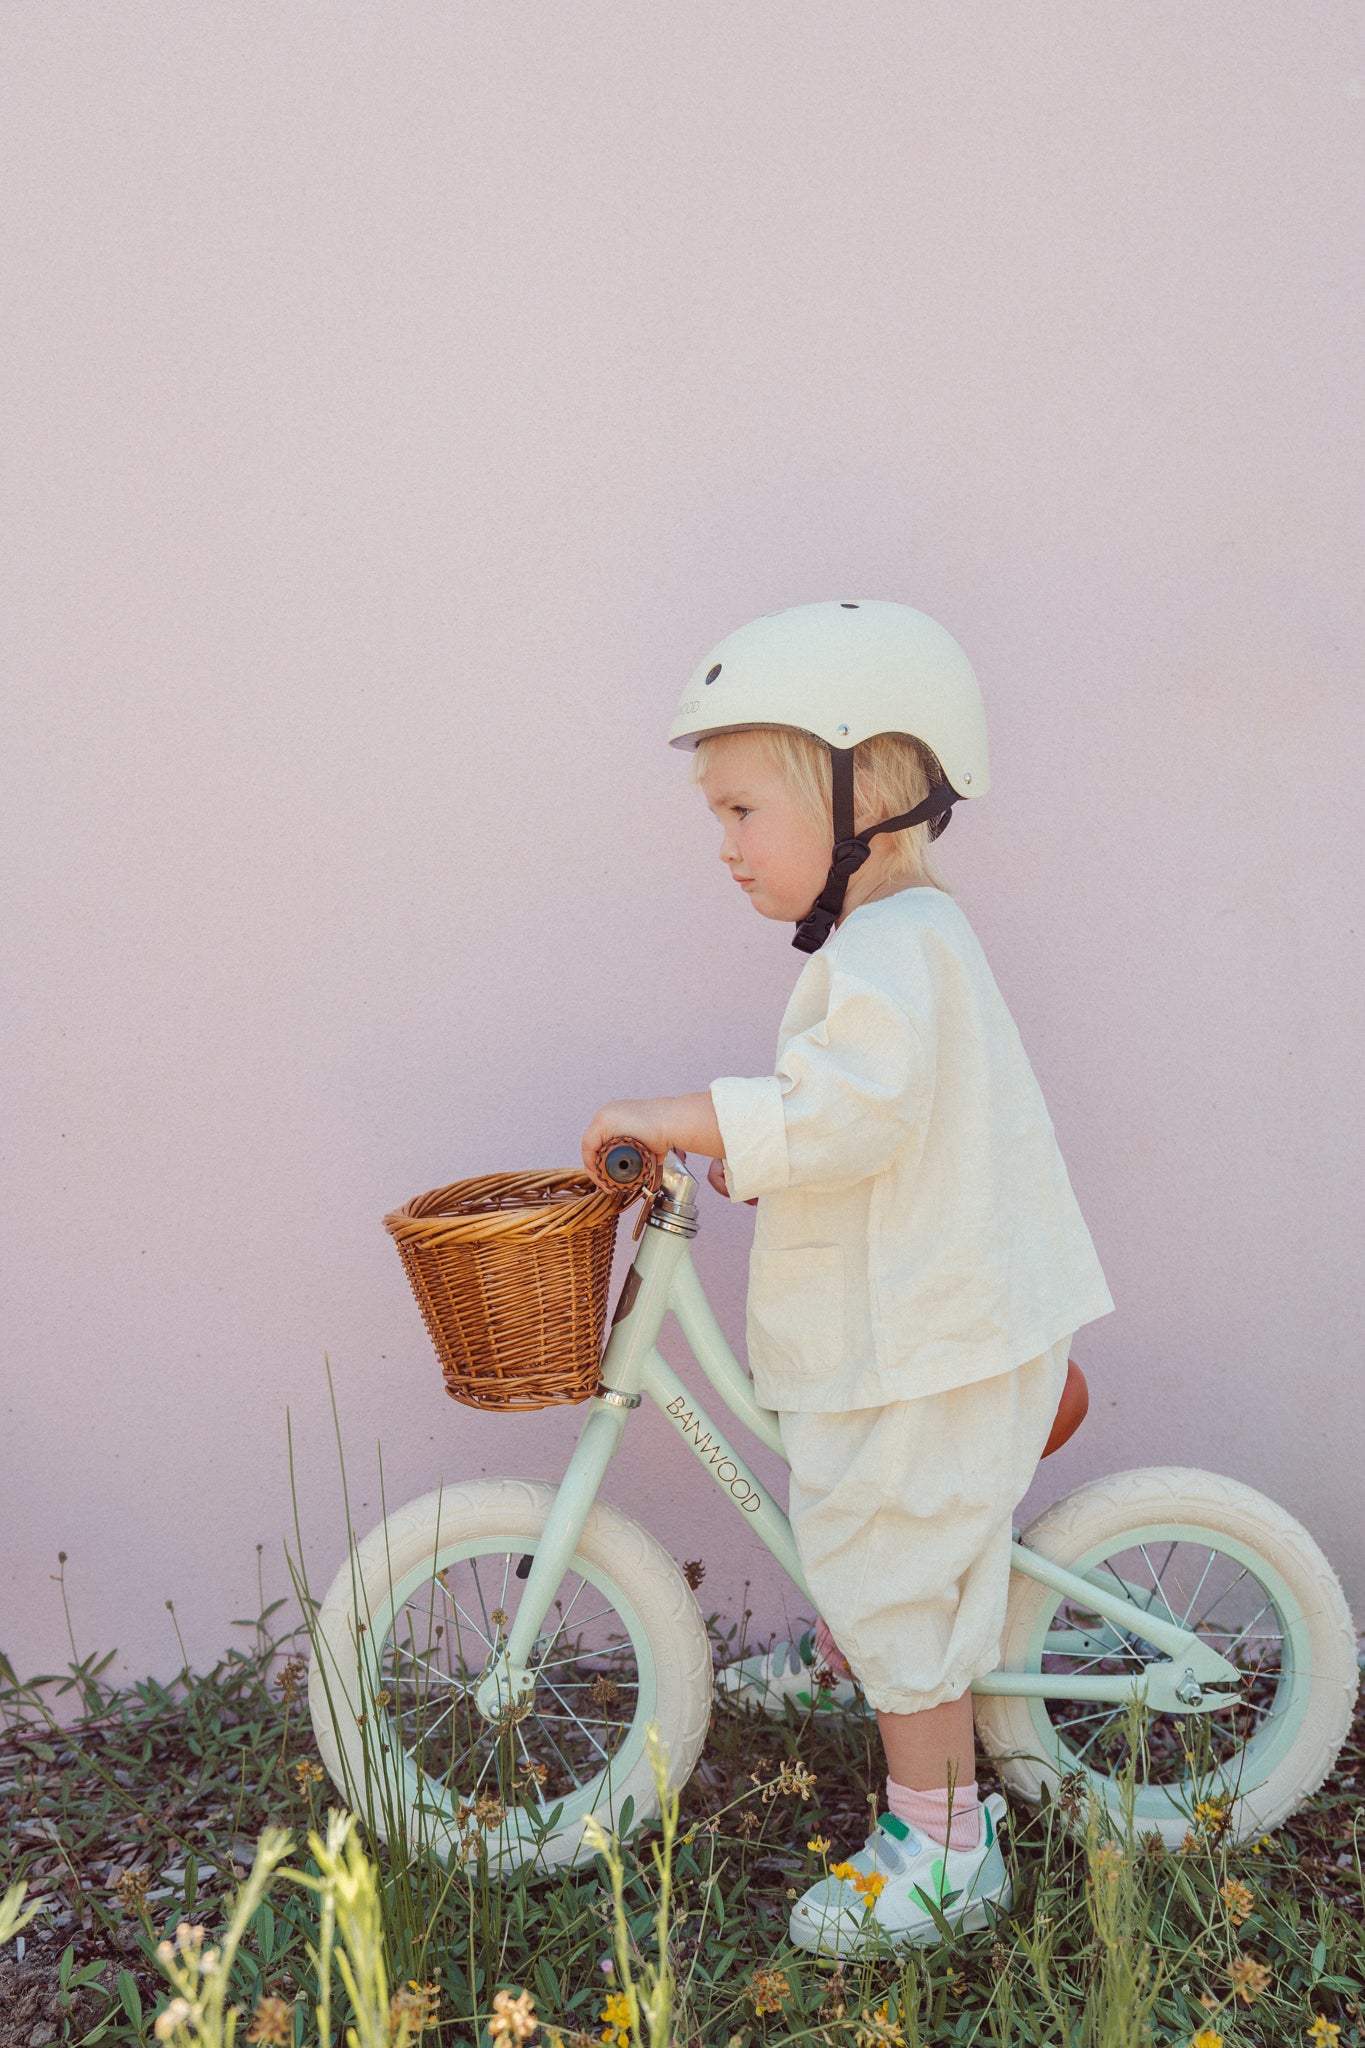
{"x": 511, "y": 1272}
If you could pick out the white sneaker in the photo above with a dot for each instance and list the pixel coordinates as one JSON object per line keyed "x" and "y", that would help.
{"x": 967, "y": 1886}
{"x": 787, "y": 1672}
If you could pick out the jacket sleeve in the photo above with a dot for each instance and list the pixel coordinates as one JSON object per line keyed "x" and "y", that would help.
{"x": 846, "y": 1095}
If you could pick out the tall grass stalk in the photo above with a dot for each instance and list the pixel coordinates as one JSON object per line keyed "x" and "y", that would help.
{"x": 649, "y": 1989}
{"x": 350, "y": 1941}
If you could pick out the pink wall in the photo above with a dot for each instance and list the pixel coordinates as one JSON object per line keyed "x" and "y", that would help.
{"x": 399, "y": 401}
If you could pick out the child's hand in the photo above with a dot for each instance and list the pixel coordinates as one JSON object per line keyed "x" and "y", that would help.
{"x": 680, "y": 1123}
{"x": 715, "y": 1173}
{"x": 645, "y": 1122}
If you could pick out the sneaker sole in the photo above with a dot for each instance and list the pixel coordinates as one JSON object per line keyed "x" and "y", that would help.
{"x": 973, "y": 1920}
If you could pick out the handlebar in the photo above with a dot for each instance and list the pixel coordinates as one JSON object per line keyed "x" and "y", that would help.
{"x": 623, "y": 1163}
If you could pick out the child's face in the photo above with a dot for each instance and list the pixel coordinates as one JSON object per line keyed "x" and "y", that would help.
{"x": 771, "y": 848}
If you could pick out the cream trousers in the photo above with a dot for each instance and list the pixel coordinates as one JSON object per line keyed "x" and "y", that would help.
{"x": 903, "y": 1517}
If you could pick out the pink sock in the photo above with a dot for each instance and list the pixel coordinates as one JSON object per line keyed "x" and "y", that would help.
{"x": 928, "y": 1811}
{"x": 828, "y": 1653}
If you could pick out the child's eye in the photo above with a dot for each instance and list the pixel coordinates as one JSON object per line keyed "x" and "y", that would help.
{"x": 740, "y": 810}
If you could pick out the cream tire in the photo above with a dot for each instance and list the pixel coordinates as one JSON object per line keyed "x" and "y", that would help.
{"x": 1306, "y": 1694}
{"x": 380, "y": 1696}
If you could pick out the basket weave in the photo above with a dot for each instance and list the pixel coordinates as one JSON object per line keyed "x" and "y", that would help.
{"x": 511, "y": 1272}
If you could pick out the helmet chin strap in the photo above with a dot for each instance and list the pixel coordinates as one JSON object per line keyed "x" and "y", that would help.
{"x": 852, "y": 848}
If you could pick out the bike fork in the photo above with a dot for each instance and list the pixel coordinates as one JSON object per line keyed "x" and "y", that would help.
{"x": 510, "y": 1676}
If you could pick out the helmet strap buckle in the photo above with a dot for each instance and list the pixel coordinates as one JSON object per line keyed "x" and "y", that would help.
{"x": 849, "y": 855}
{"x": 851, "y": 849}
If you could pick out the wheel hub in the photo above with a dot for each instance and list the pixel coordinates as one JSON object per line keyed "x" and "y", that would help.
{"x": 505, "y": 1692}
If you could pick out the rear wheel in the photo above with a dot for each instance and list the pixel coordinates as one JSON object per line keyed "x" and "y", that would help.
{"x": 1221, "y": 1559}
{"x": 411, "y": 1623}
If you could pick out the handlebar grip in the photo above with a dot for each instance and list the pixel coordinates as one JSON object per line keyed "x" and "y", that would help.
{"x": 624, "y": 1163}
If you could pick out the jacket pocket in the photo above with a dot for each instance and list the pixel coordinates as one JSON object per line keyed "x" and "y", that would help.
{"x": 796, "y": 1311}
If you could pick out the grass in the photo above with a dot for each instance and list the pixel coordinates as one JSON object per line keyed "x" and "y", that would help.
{"x": 144, "y": 1811}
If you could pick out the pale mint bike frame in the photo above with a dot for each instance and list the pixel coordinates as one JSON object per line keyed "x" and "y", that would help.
{"x": 1190, "y": 1677}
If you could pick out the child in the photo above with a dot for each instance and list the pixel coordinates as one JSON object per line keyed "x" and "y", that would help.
{"x": 919, "y": 1264}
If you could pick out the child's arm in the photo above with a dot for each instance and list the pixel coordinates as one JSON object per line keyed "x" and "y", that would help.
{"x": 679, "y": 1123}
{"x": 848, "y": 1092}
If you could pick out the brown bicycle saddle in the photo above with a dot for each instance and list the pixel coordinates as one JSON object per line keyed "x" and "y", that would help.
{"x": 1070, "y": 1409}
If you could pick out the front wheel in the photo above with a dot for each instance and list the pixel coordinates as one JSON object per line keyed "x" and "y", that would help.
{"x": 413, "y": 1618}
{"x": 1217, "y": 1558}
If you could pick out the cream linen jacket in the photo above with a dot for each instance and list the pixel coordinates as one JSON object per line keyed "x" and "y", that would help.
{"x": 916, "y": 1229}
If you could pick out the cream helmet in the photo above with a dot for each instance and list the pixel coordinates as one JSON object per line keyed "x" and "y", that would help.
{"x": 845, "y": 671}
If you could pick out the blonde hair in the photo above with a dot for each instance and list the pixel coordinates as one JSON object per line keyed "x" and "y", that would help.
{"x": 891, "y": 774}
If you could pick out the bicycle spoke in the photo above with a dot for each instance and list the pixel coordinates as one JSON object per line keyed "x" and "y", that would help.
{"x": 443, "y": 1677}
{"x": 1129, "y": 1593}
{"x": 1250, "y": 1625}
{"x": 1185, "y": 1617}
{"x": 1182, "y": 1580}
{"x": 578, "y": 1724}
{"x": 1156, "y": 1582}
{"x": 427, "y": 1732}
{"x": 562, "y": 1620}
{"x": 587, "y": 1684}
{"x": 483, "y": 1604}
{"x": 1224, "y": 1594}
{"x": 1105, "y": 1655}
{"x": 1089, "y": 1740}
{"x": 450, "y": 1635}
{"x": 440, "y": 1580}
{"x": 1105, "y": 1713}
{"x": 572, "y": 1775}
{"x": 573, "y": 1657}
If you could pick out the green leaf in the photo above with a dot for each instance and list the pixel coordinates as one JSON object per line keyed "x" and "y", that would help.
{"x": 626, "y": 1815}
{"x": 1319, "y": 1962}
{"x": 131, "y": 1996}
{"x": 935, "y": 1912}
{"x": 64, "y": 1966}
{"x": 263, "y": 1922}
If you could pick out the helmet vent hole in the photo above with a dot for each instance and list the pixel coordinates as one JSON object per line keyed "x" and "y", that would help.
{"x": 845, "y": 606}
{"x": 714, "y": 673}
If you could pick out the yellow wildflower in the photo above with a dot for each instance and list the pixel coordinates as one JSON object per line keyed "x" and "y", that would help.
{"x": 766, "y": 1991}
{"x": 870, "y": 1887}
{"x": 514, "y": 2019}
{"x": 132, "y": 1889}
{"x": 1212, "y": 1818}
{"x": 1238, "y": 1898}
{"x": 844, "y": 1870}
{"x": 616, "y": 2013}
{"x": 877, "y": 2030}
{"x": 1323, "y": 2032}
{"x": 273, "y": 2021}
{"x": 1249, "y": 1977}
{"x": 307, "y": 1773}
{"x": 291, "y": 1680}
{"x": 489, "y": 1812}
{"x": 1206, "y": 2038}
{"x": 818, "y": 1846}
{"x": 796, "y": 1778}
